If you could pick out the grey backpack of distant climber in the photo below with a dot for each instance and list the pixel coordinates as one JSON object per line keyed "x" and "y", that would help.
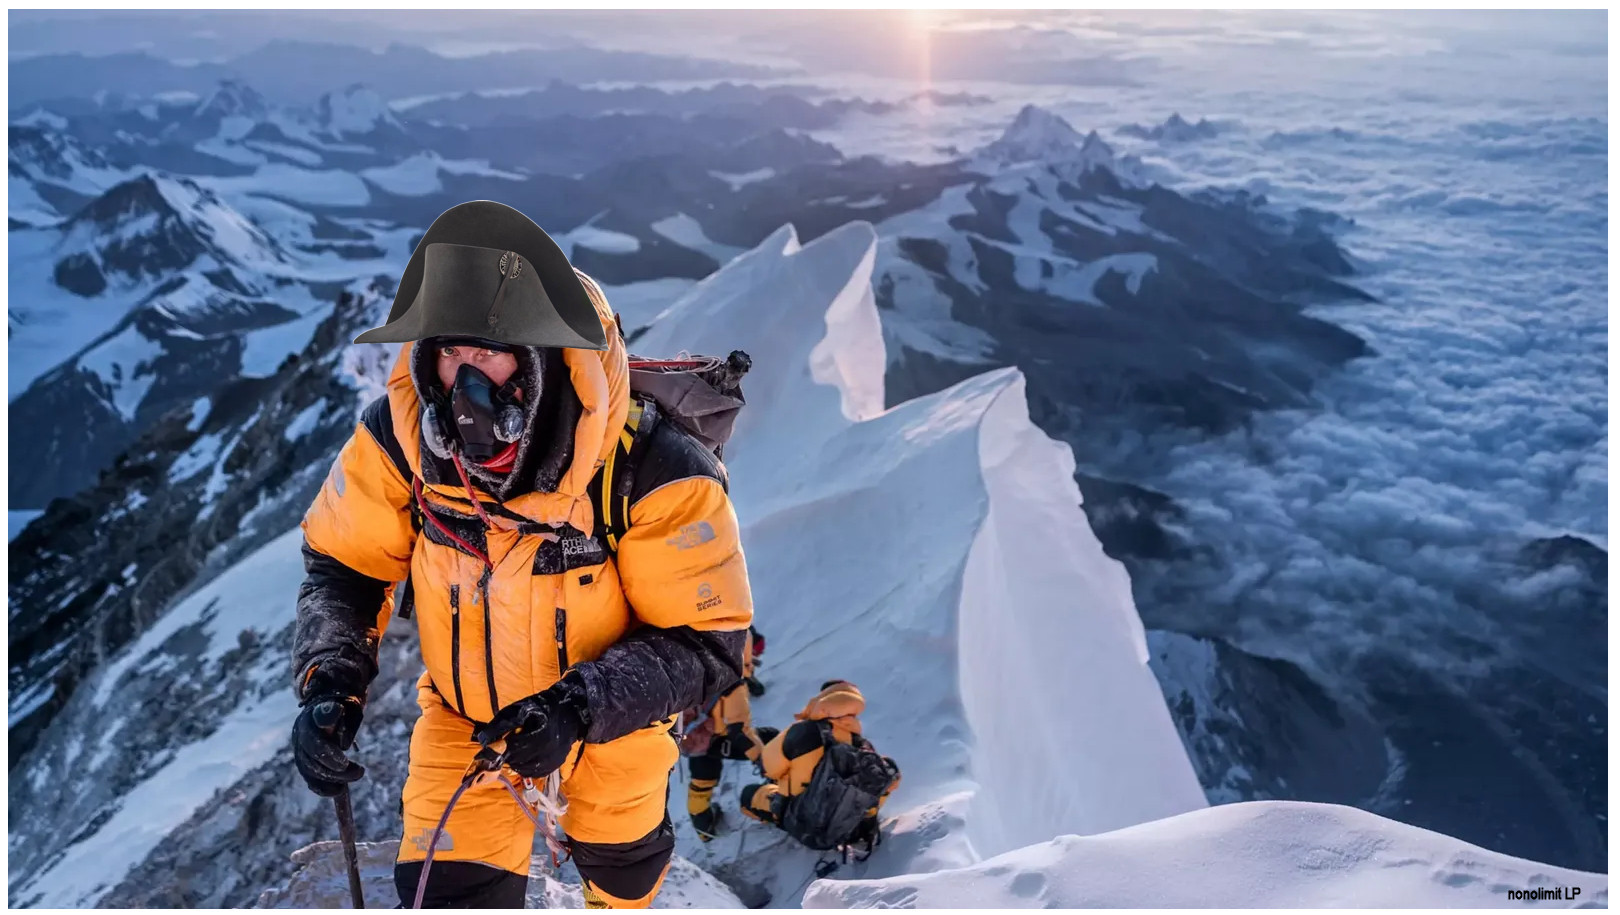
{"x": 848, "y": 781}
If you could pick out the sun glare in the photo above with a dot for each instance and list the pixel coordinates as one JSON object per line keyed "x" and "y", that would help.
{"x": 923, "y": 20}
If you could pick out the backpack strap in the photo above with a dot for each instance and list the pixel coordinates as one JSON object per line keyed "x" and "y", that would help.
{"x": 378, "y": 419}
{"x": 610, "y": 491}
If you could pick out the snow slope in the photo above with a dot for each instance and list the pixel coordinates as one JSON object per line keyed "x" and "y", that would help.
{"x": 934, "y": 553}
{"x": 1253, "y": 855}
{"x": 256, "y": 594}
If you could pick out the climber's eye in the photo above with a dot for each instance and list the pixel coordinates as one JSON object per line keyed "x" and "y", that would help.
{"x": 447, "y": 351}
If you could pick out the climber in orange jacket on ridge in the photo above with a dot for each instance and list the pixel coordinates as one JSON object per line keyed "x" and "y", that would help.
{"x": 806, "y": 798}
{"x": 480, "y": 476}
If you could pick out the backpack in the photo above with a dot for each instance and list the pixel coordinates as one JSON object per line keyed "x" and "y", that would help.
{"x": 701, "y": 394}
{"x": 847, "y": 782}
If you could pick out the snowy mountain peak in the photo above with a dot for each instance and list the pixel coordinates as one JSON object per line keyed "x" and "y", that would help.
{"x": 41, "y": 117}
{"x": 356, "y": 110}
{"x": 233, "y": 98}
{"x": 43, "y": 153}
{"x": 141, "y": 196}
{"x": 1096, "y": 150}
{"x": 1042, "y": 136}
{"x": 1035, "y": 133}
{"x": 153, "y": 226}
{"x": 1175, "y": 129}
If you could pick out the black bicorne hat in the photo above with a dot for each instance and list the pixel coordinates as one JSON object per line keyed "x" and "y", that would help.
{"x": 485, "y": 270}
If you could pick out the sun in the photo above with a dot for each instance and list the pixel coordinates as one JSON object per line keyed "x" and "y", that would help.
{"x": 925, "y": 20}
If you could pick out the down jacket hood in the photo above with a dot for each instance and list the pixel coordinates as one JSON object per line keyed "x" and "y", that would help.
{"x": 582, "y": 392}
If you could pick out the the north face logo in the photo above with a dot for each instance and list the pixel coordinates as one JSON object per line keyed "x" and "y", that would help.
{"x": 421, "y": 840}
{"x": 579, "y": 546}
{"x": 691, "y": 535}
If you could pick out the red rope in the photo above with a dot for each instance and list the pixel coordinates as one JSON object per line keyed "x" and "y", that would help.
{"x": 502, "y": 463}
{"x": 427, "y": 512}
{"x": 471, "y": 495}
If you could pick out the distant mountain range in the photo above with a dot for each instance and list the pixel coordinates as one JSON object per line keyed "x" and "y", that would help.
{"x": 299, "y": 72}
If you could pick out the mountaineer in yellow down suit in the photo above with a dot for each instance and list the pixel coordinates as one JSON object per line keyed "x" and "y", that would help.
{"x": 727, "y": 733}
{"x": 573, "y": 563}
{"x": 829, "y": 781}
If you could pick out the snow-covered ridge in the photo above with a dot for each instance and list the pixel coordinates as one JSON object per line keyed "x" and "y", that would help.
{"x": 140, "y": 205}
{"x": 322, "y": 882}
{"x": 952, "y": 565}
{"x": 1175, "y": 129}
{"x": 233, "y": 98}
{"x": 1253, "y": 855}
{"x": 1047, "y": 626}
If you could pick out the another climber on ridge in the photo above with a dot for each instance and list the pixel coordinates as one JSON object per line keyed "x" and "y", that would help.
{"x": 829, "y": 781}
{"x": 726, "y": 732}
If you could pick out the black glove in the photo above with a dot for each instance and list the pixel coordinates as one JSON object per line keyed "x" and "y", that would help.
{"x": 539, "y": 731}
{"x": 325, "y": 728}
{"x": 755, "y": 688}
{"x": 733, "y": 744}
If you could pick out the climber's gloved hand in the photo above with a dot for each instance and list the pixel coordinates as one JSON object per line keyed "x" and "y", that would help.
{"x": 323, "y": 731}
{"x": 734, "y": 743}
{"x": 755, "y": 688}
{"x": 539, "y": 732}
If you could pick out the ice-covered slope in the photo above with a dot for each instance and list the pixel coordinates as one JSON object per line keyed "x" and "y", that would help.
{"x": 230, "y": 620}
{"x": 1254, "y": 855}
{"x": 934, "y": 553}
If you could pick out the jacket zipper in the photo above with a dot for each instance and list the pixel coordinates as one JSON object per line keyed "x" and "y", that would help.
{"x": 562, "y": 641}
{"x": 455, "y": 645}
{"x": 489, "y": 641}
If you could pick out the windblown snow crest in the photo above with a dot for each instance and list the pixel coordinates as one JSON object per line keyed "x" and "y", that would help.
{"x": 936, "y": 554}
{"x": 1256, "y": 854}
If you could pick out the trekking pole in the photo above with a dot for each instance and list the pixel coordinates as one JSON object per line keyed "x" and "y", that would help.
{"x": 326, "y": 716}
{"x": 345, "y": 815}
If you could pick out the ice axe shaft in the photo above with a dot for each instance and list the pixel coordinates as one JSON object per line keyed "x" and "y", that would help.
{"x": 327, "y": 715}
{"x": 345, "y": 815}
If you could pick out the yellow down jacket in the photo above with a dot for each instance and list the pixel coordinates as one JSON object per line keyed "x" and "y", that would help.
{"x": 652, "y": 622}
